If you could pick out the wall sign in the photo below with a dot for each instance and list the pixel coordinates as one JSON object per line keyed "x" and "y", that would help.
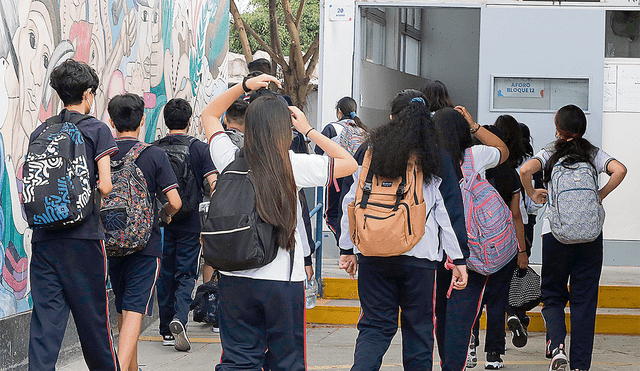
{"x": 340, "y": 11}
{"x": 520, "y": 88}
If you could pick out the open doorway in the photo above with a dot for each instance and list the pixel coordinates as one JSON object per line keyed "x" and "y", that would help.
{"x": 399, "y": 47}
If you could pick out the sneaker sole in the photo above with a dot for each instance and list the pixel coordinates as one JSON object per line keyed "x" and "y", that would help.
{"x": 182, "y": 342}
{"x": 559, "y": 365}
{"x": 519, "y": 338}
{"x": 493, "y": 366}
{"x": 168, "y": 343}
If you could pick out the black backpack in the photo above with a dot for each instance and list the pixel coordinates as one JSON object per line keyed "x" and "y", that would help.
{"x": 234, "y": 237}
{"x": 57, "y": 184}
{"x": 177, "y": 149}
{"x": 206, "y": 304}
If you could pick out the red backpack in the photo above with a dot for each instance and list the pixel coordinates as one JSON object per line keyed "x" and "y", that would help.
{"x": 490, "y": 231}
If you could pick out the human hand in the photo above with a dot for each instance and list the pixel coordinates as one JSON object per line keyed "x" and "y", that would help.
{"x": 459, "y": 277}
{"x": 539, "y": 196}
{"x": 467, "y": 116}
{"x": 523, "y": 260}
{"x": 299, "y": 120}
{"x": 349, "y": 263}
{"x": 309, "y": 271}
{"x": 261, "y": 81}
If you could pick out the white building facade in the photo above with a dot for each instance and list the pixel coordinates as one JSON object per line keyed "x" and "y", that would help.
{"x": 523, "y": 58}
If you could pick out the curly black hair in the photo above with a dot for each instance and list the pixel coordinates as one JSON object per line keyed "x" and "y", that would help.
{"x": 409, "y": 132}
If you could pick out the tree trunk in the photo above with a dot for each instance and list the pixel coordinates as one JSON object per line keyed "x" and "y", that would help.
{"x": 239, "y": 25}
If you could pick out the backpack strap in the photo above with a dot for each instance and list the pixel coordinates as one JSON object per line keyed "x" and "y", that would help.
{"x": 366, "y": 190}
{"x": 467, "y": 163}
{"x": 135, "y": 151}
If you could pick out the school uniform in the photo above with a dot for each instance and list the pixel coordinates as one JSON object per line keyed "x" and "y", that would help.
{"x": 133, "y": 277}
{"x": 462, "y": 307}
{"x": 580, "y": 266}
{"x": 68, "y": 272}
{"x": 264, "y": 308}
{"x": 406, "y": 282}
{"x": 181, "y": 249}
{"x": 496, "y": 294}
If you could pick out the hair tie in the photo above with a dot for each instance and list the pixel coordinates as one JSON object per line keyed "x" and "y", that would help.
{"x": 352, "y": 114}
{"x": 418, "y": 99}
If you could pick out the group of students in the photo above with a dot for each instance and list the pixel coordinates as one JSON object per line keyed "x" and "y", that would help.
{"x": 262, "y": 322}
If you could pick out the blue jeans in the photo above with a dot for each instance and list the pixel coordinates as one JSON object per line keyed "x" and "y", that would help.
{"x": 178, "y": 275}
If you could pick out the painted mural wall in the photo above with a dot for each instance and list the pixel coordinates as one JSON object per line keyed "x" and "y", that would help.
{"x": 158, "y": 49}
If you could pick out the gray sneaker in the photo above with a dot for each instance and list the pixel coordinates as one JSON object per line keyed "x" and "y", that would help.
{"x": 559, "y": 362}
{"x": 472, "y": 358}
{"x": 180, "y": 333}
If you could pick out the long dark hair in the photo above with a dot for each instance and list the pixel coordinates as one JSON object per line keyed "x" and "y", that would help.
{"x": 266, "y": 148}
{"x": 571, "y": 124}
{"x": 437, "y": 95}
{"x": 526, "y": 139}
{"x": 512, "y": 138}
{"x": 409, "y": 132}
{"x": 454, "y": 135}
{"x": 348, "y": 107}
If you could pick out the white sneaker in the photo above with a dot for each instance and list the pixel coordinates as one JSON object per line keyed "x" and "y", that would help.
{"x": 216, "y": 330}
{"x": 180, "y": 333}
{"x": 472, "y": 358}
{"x": 168, "y": 340}
{"x": 559, "y": 362}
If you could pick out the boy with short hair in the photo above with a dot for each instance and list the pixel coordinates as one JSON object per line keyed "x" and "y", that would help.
{"x": 68, "y": 266}
{"x": 181, "y": 247}
{"x": 234, "y": 121}
{"x": 133, "y": 277}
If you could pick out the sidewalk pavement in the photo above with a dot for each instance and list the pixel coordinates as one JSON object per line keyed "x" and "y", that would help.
{"x": 331, "y": 348}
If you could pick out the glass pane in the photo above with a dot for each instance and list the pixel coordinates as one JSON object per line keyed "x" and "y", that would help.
{"x": 621, "y": 35}
{"x": 412, "y": 64}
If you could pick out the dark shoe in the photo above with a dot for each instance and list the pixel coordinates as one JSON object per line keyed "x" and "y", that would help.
{"x": 519, "y": 335}
{"x": 493, "y": 362}
{"x": 168, "y": 340}
{"x": 180, "y": 333}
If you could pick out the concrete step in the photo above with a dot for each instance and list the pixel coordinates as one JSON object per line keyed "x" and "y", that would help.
{"x": 620, "y": 321}
{"x": 609, "y": 296}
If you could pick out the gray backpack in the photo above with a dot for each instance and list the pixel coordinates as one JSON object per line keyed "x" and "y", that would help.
{"x": 574, "y": 210}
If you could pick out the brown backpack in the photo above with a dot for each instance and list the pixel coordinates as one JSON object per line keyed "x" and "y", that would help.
{"x": 388, "y": 216}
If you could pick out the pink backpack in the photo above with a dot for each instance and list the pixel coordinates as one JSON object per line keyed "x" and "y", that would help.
{"x": 490, "y": 231}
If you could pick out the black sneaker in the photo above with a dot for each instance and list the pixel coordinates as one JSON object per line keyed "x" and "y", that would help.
{"x": 559, "y": 362}
{"x": 519, "y": 335}
{"x": 493, "y": 362}
{"x": 180, "y": 333}
{"x": 168, "y": 340}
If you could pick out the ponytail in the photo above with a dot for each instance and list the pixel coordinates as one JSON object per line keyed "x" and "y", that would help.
{"x": 348, "y": 107}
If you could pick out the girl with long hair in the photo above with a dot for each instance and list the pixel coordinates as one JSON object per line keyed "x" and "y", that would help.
{"x": 576, "y": 264}
{"x": 406, "y": 282}
{"x": 263, "y": 308}
{"x": 457, "y": 313}
{"x": 437, "y": 95}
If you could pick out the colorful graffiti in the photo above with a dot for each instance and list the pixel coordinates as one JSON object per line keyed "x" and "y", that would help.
{"x": 159, "y": 49}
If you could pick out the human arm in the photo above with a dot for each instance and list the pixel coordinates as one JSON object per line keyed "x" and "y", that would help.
{"x": 485, "y": 136}
{"x": 104, "y": 174}
{"x": 218, "y": 106}
{"x": 514, "y": 206}
{"x": 344, "y": 163}
{"x": 617, "y": 173}
{"x": 538, "y": 195}
{"x": 212, "y": 179}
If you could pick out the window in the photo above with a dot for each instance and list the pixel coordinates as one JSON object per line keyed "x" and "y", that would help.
{"x": 622, "y": 33}
{"x": 410, "y": 36}
{"x": 374, "y": 22}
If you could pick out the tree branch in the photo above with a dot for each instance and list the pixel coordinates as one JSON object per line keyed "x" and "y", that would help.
{"x": 239, "y": 25}
{"x": 276, "y": 43}
{"x": 313, "y": 49}
{"x": 295, "y": 51}
{"x": 266, "y": 47}
{"x": 299, "y": 15}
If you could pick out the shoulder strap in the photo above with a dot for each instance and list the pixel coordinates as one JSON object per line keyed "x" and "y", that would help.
{"x": 467, "y": 163}
{"x": 368, "y": 183}
{"x": 135, "y": 151}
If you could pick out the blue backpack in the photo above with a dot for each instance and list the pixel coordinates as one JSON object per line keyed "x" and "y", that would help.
{"x": 57, "y": 187}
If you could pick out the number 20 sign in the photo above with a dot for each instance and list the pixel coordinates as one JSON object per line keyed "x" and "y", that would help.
{"x": 340, "y": 12}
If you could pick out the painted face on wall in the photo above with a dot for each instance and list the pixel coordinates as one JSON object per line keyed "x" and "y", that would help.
{"x": 34, "y": 45}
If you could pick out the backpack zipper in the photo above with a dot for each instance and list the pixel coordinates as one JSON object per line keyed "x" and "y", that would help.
{"x": 376, "y": 218}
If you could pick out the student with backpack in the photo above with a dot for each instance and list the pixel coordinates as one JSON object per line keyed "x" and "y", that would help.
{"x": 191, "y": 163}
{"x": 234, "y": 121}
{"x": 68, "y": 265}
{"x": 572, "y": 249}
{"x": 134, "y": 273}
{"x": 263, "y": 307}
{"x": 504, "y": 178}
{"x": 457, "y": 311}
{"x": 395, "y": 226}
{"x": 350, "y": 133}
